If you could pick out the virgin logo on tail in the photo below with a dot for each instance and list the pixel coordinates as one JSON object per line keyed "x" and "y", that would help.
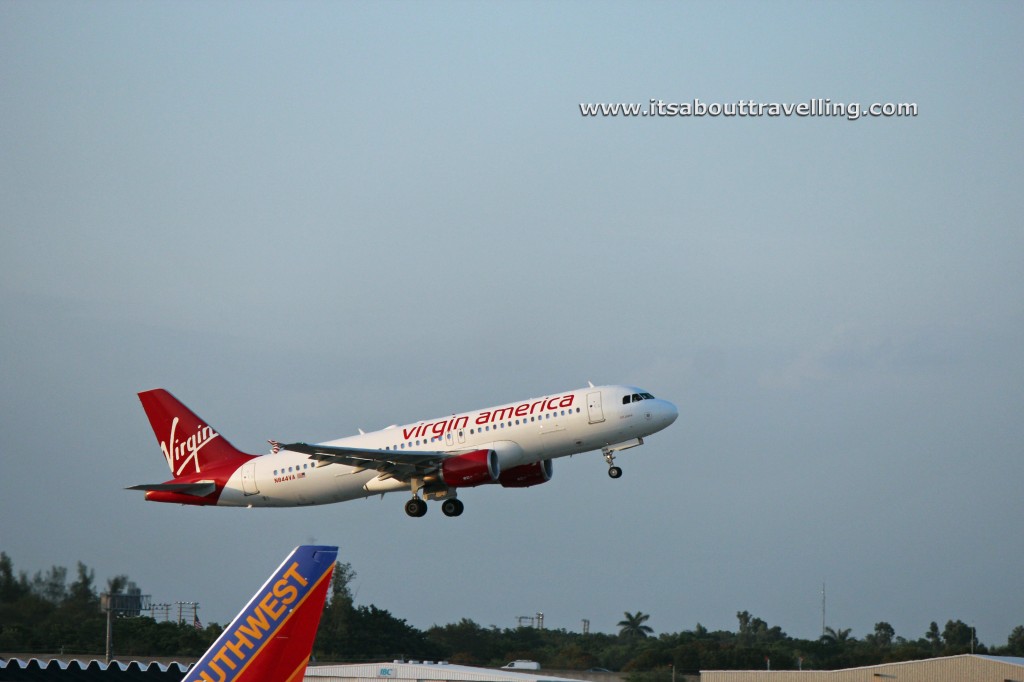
{"x": 180, "y": 453}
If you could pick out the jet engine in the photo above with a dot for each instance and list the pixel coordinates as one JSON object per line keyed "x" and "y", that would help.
{"x": 471, "y": 469}
{"x": 526, "y": 475}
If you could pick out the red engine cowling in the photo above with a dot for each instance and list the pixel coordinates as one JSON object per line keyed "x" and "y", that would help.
{"x": 526, "y": 475}
{"x": 473, "y": 468}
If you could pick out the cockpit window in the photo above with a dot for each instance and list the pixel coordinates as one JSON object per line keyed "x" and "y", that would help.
{"x": 636, "y": 397}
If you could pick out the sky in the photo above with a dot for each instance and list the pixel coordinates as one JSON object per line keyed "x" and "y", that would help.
{"x": 308, "y": 218}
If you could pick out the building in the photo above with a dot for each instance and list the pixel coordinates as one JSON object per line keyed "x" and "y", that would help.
{"x": 426, "y": 671}
{"x": 964, "y": 668}
{"x": 32, "y": 669}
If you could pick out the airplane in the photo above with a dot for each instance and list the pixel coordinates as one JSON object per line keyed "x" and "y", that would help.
{"x": 271, "y": 639}
{"x": 511, "y": 445}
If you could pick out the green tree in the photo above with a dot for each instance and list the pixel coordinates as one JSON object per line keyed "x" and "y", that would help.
{"x": 882, "y": 636}
{"x": 839, "y": 637}
{"x": 633, "y": 625}
{"x": 572, "y": 657}
{"x": 11, "y": 588}
{"x": 117, "y": 584}
{"x": 337, "y": 614}
{"x": 51, "y": 586}
{"x": 934, "y": 637}
{"x": 958, "y": 638}
{"x": 374, "y": 634}
{"x": 756, "y": 631}
{"x": 82, "y": 591}
{"x": 466, "y": 643}
{"x": 1015, "y": 642}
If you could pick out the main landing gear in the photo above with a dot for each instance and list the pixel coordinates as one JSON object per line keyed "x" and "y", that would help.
{"x": 416, "y": 507}
{"x": 450, "y": 507}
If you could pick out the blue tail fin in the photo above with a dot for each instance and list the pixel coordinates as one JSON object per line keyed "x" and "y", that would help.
{"x": 272, "y": 638}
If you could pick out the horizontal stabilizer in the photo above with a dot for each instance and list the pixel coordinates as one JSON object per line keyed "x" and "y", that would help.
{"x": 199, "y": 488}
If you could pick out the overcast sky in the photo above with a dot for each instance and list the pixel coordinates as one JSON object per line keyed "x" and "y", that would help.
{"x": 308, "y": 218}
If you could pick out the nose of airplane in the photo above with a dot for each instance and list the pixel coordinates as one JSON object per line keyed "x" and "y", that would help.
{"x": 672, "y": 412}
{"x": 666, "y": 413}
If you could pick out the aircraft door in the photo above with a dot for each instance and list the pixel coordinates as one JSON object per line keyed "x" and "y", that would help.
{"x": 594, "y": 412}
{"x": 249, "y": 478}
{"x": 452, "y": 435}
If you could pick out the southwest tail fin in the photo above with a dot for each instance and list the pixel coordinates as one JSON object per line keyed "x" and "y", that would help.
{"x": 272, "y": 638}
{"x": 189, "y": 444}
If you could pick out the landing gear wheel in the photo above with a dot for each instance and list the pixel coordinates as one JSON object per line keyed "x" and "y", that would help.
{"x": 452, "y": 507}
{"x": 416, "y": 507}
{"x": 614, "y": 472}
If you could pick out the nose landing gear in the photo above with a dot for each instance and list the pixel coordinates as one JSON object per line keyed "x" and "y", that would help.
{"x": 609, "y": 454}
{"x": 613, "y": 471}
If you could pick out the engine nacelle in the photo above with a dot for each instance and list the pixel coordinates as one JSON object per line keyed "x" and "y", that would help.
{"x": 526, "y": 475}
{"x": 471, "y": 469}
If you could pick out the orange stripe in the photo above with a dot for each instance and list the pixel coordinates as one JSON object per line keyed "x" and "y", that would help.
{"x": 299, "y": 672}
{"x": 270, "y": 635}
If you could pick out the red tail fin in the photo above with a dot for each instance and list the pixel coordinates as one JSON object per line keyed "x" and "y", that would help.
{"x": 272, "y": 638}
{"x": 189, "y": 444}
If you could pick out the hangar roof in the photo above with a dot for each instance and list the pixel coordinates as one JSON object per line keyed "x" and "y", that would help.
{"x": 1012, "y": 660}
{"x": 412, "y": 670}
{"x": 975, "y": 667}
{"x": 35, "y": 669}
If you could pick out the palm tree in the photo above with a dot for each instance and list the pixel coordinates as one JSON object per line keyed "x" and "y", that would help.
{"x": 838, "y": 636}
{"x": 633, "y": 625}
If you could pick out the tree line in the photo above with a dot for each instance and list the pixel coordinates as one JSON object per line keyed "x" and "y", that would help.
{"x": 46, "y": 614}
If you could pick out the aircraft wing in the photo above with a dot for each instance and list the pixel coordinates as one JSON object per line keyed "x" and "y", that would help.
{"x": 199, "y": 488}
{"x": 392, "y": 464}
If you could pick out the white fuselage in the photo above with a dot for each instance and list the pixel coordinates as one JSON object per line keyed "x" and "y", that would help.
{"x": 594, "y": 418}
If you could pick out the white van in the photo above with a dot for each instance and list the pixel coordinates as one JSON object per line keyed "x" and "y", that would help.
{"x": 522, "y": 665}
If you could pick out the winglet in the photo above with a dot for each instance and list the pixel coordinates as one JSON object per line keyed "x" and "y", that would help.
{"x": 272, "y": 638}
